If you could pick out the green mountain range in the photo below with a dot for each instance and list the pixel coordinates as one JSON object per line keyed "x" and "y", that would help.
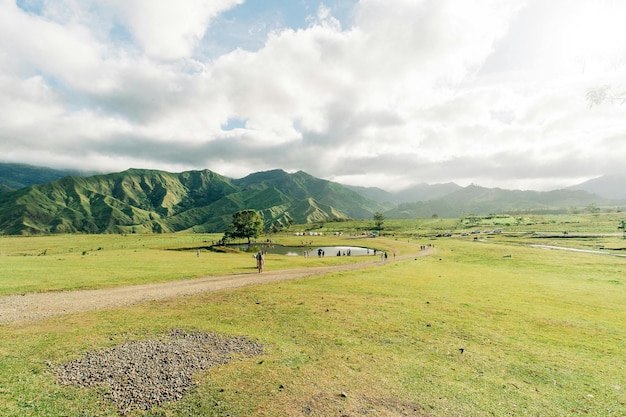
{"x": 144, "y": 201}
{"x": 151, "y": 201}
{"x": 16, "y": 176}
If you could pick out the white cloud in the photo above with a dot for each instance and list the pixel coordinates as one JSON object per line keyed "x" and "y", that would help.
{"x": 31, "y": 45}
{"x": 169, "y": 29}
{"x": 491, "y": 91}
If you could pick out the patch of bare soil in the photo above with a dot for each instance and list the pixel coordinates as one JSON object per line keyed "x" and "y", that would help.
{"x": 37, "y": 306}
{"x": 349, "y": 405}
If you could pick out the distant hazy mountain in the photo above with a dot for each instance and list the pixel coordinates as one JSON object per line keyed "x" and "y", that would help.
{"x": 15, "y": 176}
{"x": 425, "y": 192}
{"x": 607, "y": 186}
{"x": 419, "y": 192}
{"x": 381, "y": 196}
{"x": 480, "y": 201}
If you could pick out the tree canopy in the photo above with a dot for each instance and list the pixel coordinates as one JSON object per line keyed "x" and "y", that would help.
{"x": 379, "y": 219}
{"x": 247, "y": 224}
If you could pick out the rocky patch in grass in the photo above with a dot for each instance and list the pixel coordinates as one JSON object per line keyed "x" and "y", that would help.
{"x": 143, "y": 374}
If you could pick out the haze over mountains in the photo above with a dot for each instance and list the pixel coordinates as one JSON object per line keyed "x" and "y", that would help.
{"x": 41, "y": 200}
{"x": 607, "y": 186}
{"x": 15, "y": 176}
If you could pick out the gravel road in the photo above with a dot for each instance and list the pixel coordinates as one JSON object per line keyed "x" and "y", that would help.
{"x": 37, "y": 306}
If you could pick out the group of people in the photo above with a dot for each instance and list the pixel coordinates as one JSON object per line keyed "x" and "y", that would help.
{"x": 260, "y": 256}
{"x": 320, "y": 253}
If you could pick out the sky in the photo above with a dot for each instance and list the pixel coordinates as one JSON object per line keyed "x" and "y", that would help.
{"x": 516, "y": 94}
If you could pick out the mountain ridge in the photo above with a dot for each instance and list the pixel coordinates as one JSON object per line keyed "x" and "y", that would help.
{"x": 17, "y": 175}
{"x": 608, "y": 186}
{"x": 14, "y": 176}
{"x": 154, "y": 201}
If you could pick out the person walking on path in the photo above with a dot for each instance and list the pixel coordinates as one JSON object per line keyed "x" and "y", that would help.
{"x": 260, "y": 261}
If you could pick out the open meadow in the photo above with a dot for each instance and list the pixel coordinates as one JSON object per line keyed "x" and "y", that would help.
{"x": 488, "y": 324}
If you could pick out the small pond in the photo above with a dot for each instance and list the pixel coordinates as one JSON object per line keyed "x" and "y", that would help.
{"x": 299, "y": 250}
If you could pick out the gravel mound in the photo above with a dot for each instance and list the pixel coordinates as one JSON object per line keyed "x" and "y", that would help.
{"x": 140, "y": 375}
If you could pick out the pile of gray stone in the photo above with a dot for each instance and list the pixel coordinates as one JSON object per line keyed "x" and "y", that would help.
{"x": 143, "y": 374}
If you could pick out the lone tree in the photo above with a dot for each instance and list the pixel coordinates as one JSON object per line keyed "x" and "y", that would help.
{"x": 379, "y": 219}
{"x": 246, "y": 224}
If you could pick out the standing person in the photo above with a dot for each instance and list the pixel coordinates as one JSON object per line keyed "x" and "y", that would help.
{"x": 260, "y": 261}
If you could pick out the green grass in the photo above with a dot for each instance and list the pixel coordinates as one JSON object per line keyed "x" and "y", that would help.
{"x": 71, "y": 262}
{"x": 542, "y": 334}
{"x": 606, "y": 222}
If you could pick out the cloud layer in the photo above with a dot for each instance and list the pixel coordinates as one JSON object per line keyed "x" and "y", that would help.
{"x": 390, "y": 94}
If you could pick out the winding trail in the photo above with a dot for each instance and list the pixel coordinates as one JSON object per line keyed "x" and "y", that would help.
{"x": 38, "y": 306}
{"x": 593, "y": 252}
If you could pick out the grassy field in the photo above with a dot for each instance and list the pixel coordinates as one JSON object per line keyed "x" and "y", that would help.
{"x": 71, "y": 262}
{"x": 491, "y": 327}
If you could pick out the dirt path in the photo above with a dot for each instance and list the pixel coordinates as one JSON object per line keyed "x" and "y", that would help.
{"x": 593, "y": 252}
{"x": 37, "y": 306}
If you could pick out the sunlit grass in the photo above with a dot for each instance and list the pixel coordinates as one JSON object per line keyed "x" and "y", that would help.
{"x": 541, "y": 331}
{"x": 477, "y": 329}
{"x": 70, "y": 262}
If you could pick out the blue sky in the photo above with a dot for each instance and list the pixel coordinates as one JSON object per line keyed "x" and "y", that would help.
{"x": 247, "y": 25}
{"x": 365, "y": 92}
